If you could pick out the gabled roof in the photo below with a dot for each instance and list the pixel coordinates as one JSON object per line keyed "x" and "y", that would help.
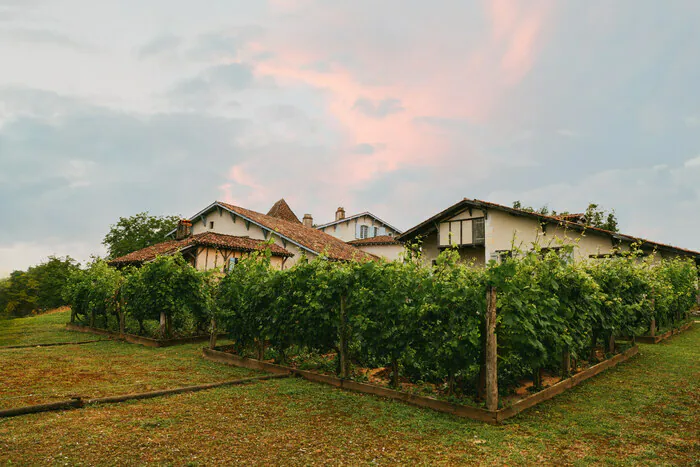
{"x": 346, "y": 219}
{"x": 281, "y": 210}
{"x": 307, "y": 238}
{"x": 431, "y": 224}
{"x": 375, "y": 241}
{"x": 221, "y": 241}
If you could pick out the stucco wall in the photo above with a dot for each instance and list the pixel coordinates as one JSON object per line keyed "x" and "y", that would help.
{"x": 389, "y": 252}
{"x": 346, "y": 230}
{"x": 211, "y": 258}
{"x": 504, "y": 230}
{"x": 430, "y": 248}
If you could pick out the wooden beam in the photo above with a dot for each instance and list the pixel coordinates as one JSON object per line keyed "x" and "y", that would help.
{"x": 491, "y": 351}
{"x": 233, "y": 217}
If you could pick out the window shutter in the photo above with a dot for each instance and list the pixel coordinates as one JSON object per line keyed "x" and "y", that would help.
{"x": 382, "y": 231}
{"x": 357, "y": 230}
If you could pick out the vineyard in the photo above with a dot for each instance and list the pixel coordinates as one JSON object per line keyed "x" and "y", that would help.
{"x": 403, "y": 324}
{"x": 165, "y": 298}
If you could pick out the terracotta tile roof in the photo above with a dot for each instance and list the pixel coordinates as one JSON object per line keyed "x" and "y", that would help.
{"x": 430, "y": 224}
{"x": 576, "y": 217}
{"x": 221, "y": 241}
{"x": 378, "y": 240}
{"x": 281, "y": 210}
{"x": 308, "y": 237}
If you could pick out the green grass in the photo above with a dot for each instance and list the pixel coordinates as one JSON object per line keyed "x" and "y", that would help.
{"x": 42, "y": 329}
{"x": 643, "y": 412}
{"x": 47, "y": 374}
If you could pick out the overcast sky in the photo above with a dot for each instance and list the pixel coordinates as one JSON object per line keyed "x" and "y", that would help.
{"x": 398, "y": 107}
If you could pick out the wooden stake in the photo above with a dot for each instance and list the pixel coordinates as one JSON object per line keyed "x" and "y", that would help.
{"x": 611, "y": 343}
{"x": 122, "y": 322}
{"x": 343, "y": 337}
{"x": 566, "y": 364}
{"x": 162, "y": 325}
{"x": 652, "y": 327}
{"x": 491, "y": 352}
{"x": 212, "y": 337}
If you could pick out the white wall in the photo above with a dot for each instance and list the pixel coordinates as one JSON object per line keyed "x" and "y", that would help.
{"x": 224, "y": 224}
{"x": 388, "y": 252}
{"x": 345, "y": 230}
{"x": 504, "y": 230}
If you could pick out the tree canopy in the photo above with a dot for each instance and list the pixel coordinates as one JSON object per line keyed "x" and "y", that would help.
{"x": 136, "y": 232}
{"x": 596, "y": 216}
{"x": 38, "y": 288}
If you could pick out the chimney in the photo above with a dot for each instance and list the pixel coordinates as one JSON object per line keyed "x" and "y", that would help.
{"x": 308, "y": 221}
{"x": 184, "y": 229}
{"x": 340, "y": 214}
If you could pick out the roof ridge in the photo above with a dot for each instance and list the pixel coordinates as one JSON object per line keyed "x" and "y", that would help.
{"x": 308, "y": 238}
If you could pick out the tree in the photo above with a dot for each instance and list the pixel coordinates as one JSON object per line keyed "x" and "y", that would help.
{"x": 136, "y": 232}
{"x": 544, "y": 210}
{"x": 39, "y": 288}
{"x": 595, "y": 215}
{"x": 599, "y": 217}
{"x": 51, "y": 278}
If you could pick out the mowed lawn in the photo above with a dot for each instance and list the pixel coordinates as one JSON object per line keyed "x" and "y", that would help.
{"x": 38, "y": 375}
{"x": 644, "y": 412}
{"x": 43, "y": 329}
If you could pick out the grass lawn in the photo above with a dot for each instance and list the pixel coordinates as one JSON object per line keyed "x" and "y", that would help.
{"x": 48, "y": 328}
{"x": 38, "y": 375}
{"x": 643, "y": 412}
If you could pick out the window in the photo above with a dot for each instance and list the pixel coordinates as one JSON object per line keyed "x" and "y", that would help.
{"x": 501, "y": 255}
{"x": 364, "y": 231}
{"x": 211, "y": 224}
{"x": 376, "y": 232}
{"x": 478, "y": 236}
{"x": 232, "y": 262}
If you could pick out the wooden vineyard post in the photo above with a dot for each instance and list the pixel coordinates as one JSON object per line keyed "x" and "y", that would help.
{"x": 122, "y": 322}
{"x": 611, "y": 343}
{"x": 491, "y": 352}
{"x": 566, "y": 364}
{"x": 162, "y": 325}
{"x": 343, "y": 337}
{"x": 212, "y": 337}
{"x": 652, "y": 327}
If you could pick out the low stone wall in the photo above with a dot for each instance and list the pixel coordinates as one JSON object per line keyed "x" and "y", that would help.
{"x": 475, "y": 413}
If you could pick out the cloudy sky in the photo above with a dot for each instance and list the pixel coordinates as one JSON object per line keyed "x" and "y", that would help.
{"x": 399, "y": 107}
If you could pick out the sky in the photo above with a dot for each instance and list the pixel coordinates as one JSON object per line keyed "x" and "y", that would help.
{"x": 400, "y": 108}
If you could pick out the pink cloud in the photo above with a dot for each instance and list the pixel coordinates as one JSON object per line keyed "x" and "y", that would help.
{"x": 430, "y": 77}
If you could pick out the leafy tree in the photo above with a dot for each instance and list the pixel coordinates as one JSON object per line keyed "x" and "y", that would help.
{"x": 39, "y": 288}
{"x": 596, "y": 216}
{"x": 136, "y": 232}
{"x": 544, "y": 210}
{"x": 51, "y": 278}
{"x": 20, "y": 294}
